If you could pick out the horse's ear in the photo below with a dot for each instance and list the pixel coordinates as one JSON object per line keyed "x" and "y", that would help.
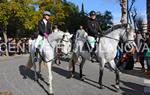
{"x": 70, "y": 36}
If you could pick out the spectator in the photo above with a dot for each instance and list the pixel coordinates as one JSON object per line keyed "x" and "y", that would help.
{"x": 147, "y": 58}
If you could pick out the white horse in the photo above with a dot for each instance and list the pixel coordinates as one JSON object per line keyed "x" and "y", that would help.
{"x": 63, "y": 49}
{"x": 47, "y": 54}
{"x": 106, "y": 51}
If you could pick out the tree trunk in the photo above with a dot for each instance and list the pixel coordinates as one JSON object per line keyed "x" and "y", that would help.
{"x": 5, "y": 40}
{"x": 148, "y": 16}
{"x": 123, "y": 4}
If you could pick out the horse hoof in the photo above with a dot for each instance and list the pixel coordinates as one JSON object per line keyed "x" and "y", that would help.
{"x": 117, "y": 87}
{"x": 101, "y": 87}
{"x": 51, "y": 94}
{"x": 59, "y": 63}
{"x": 68, "y": 77}
{"x": 82, "y": 79}
{"x": 39, "y": 72}
{"x": 24, "y": 77}
{"x": 36, "y": 80}
{"x": 72, "y": 76}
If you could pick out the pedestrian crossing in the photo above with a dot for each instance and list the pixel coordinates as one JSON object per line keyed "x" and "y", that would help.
{"x": 147, "y": 85}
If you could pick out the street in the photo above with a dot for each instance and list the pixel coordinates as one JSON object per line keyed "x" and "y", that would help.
{"x": 133, "y": 82}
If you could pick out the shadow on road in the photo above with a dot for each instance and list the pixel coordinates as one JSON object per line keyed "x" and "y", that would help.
{"x": 128, "y": 89}
{"x": 28, "y": 73}
{"x": 135, "y": 72}
{"x": 66, "y": 74}
{"x": 133, "y": 89}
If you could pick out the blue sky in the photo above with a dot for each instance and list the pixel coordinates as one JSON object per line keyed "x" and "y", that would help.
{"x": 112, "y": 6}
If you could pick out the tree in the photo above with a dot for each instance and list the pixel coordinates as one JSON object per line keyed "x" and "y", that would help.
{"x": 4, "y": 16}
{"x": 105, "y": 20}
{"x": 123, "y": 4}
{"x": 72, "y": 16}
{"x": 13, "y": 17}
{"x": 83, "y": 16}
{"x": 148, "y": 16}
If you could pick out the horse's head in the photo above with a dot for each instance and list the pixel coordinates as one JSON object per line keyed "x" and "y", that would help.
{"x": 66, "y": 43}
{"x": 127, "y": 34}
{"x": 67, "y": 36}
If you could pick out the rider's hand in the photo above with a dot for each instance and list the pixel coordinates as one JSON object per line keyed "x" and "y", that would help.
{"x": 46, "y": 35}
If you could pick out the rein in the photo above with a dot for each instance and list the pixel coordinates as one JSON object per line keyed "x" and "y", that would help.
{"x": 63, "y": 39}
{"x": 109, "y": 37}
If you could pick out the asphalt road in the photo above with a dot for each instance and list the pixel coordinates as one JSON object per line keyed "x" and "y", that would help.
{"x": 11, "y": 80}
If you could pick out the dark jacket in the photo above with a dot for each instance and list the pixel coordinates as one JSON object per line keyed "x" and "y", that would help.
{"x": 42, "y": 28}
{"x": 93, "y": 28}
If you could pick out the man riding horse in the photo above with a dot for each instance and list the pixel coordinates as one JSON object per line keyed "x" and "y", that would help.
{"x": 44, "y": 27}
{"x": 93, "y": 30}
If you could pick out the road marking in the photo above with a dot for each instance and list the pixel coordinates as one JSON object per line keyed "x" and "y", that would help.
{"x": 147, "y": 81}
{"x": 147, "y": 89}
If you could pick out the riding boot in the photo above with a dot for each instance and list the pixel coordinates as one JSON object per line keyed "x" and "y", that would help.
{"x": 36, "y": 52}
{"x": 92, "y": 53}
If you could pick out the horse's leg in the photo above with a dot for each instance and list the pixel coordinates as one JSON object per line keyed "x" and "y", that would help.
{"x": 114, "y": 67}
{"x": 40, "y": 62}
{"x": 72, "y": 66}
{"x": 73, "y": 69}
{"x": 35, "y": 73}
{"x": 55, "y": 61}
{"x": 81, "y": 68}
{"x": 50, "y": 77}
{"x": 59, "y": 62}
{"x": 117, "y": 78}
{"x": 101, "y": 70}
{"x": 100, "y": 77}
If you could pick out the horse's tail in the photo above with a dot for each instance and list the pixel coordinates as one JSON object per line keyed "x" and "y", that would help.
{"x": 29, "y": 63}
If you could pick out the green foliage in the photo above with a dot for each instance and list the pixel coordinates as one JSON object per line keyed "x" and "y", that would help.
{"x": 105, "y": 20}
{"x": 19, "y": 18}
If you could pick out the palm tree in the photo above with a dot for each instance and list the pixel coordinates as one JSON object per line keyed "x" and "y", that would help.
{"x": 148, "y": 15}
{"x": 123, "y": 4}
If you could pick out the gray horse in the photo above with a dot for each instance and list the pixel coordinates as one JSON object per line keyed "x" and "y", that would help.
{"x": 47, "y": 54}
{"x": 105, "y": 51}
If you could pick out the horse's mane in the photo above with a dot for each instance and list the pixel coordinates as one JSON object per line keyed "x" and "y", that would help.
{"x": 115, "y": 27}
{"x": 55, "y": 36}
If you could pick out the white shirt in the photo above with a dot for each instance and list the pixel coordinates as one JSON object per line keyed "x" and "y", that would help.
{"x": 45, "y": 21}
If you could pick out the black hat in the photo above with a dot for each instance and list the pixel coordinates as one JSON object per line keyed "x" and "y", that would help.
{"x": 92, "y": 13}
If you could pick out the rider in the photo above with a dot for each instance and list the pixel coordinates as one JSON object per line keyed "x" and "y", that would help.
{"x": 93, "y": 30}
{"x": 44, "y": 27}
{"x": 80, "y": 32}
{"x": 80, "y": 35}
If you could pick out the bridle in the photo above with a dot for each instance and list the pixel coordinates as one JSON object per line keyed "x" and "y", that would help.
{"x": 60, "y": 45}
{"x": 63, "y": 38}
